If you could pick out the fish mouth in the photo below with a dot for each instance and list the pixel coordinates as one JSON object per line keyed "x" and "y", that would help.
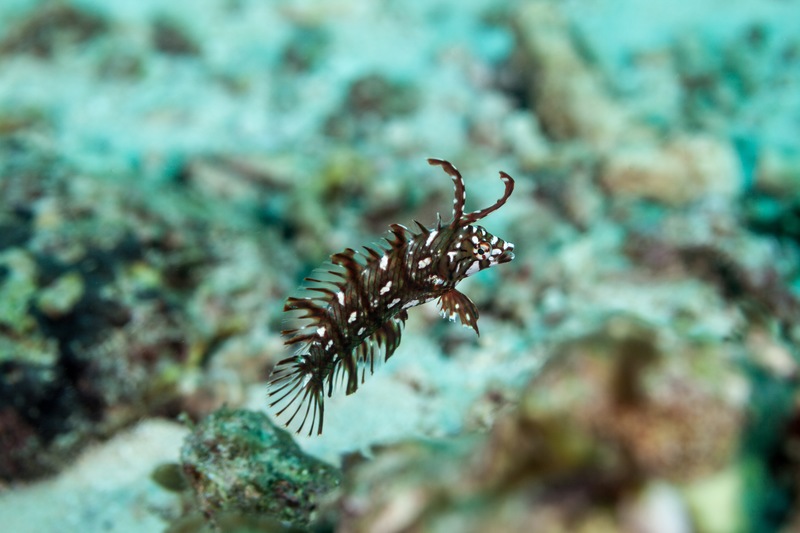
{"x": 507, "y": 255}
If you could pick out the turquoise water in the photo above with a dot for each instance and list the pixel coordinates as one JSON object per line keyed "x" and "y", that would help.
{"x": 169, "y": 174}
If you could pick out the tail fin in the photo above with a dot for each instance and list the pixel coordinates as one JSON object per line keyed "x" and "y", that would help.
{"x": 296, "y": 382}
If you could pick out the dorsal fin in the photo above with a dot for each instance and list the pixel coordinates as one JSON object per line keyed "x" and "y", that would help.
{"x": 400, "y": 235}
{"x": 372, "y": 253}
{"x": 323, "y": 290}
{"x": 347, "y": 260}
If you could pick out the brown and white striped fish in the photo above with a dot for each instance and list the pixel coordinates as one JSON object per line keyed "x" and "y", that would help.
{"x": 359, "y": 304}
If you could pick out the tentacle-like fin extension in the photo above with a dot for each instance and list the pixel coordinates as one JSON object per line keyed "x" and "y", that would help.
{"x": 477, "y": 215}
{"x": 454, "y": 303}
{"x": 460, "y": 196}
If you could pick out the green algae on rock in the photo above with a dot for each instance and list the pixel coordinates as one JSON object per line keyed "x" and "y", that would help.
{"x": 238, "y": 462}
{"x": 88, "y": 344}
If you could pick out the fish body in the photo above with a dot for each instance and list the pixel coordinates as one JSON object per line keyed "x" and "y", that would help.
{"x": 355, "y": 310}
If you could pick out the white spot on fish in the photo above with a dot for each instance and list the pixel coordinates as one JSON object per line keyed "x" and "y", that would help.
{"x": 360, "y": 331}
{"x": 352, "y": 318}
{"x": 431, "y": 237}
{"x": 340, "y": 297}
{"x": 494, "y": 240}
{"x": 474, "y": 267}
{"x": 384, "y": 262}
{"x": 424, "y": 262}
{"x": 452, "y": 256}
{"x": 386, "y": 287}
{"x": 412, "y": 303}
{"x": 394, "y": 302}
{"x": 321, "y": 331}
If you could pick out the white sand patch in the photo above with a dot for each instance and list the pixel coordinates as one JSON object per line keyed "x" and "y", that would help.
{"x": 108, "y": 489}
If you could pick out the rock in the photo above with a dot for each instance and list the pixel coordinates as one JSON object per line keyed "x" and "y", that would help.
{"x": 60, "y": 297}
{"x": 684, "y": 169}
{"x": 239, "y": 462}
{"x": 569, "y": 97}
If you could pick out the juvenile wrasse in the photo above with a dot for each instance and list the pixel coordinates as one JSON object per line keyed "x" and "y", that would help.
{"x": 356, "y": 308}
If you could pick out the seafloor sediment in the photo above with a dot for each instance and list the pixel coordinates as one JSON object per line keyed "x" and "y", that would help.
{"x": 170, "y": 173}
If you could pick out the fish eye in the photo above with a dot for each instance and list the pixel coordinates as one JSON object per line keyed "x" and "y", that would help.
{"x": 483, "y": 248}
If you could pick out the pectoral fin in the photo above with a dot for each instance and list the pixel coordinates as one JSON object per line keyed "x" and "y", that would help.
{"x": 453, "y": 303}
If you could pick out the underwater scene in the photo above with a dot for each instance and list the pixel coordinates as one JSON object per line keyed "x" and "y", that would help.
{"x": 400, "y": 266}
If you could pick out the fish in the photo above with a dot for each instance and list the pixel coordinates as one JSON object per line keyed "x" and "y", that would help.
{"x": 353, "y": 313}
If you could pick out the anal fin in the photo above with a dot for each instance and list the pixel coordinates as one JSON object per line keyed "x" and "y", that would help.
{"x": 453, "y": 303}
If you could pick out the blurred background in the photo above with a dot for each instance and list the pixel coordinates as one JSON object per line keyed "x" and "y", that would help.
{"x": 170, "y": 171}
